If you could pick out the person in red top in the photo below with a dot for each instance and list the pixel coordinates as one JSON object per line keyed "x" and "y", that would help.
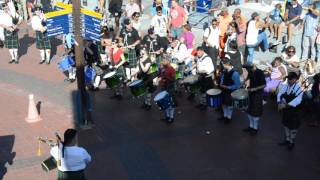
{"x": 178, "y": 18}
{"x": 167, "y": 78}
{"x": 117, "y": 60}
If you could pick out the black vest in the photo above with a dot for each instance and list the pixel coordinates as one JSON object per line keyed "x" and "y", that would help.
{"x": 227, "y": 78}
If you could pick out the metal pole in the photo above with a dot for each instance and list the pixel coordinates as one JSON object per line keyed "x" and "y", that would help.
{"x": 84, "y": 114}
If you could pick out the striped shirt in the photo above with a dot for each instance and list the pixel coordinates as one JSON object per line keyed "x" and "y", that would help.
{"x": 310, "y": 24}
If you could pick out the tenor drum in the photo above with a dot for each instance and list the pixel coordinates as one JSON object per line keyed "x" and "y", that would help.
{"x": 240, "y": 99}
{"x": 214, "y": 98}
{"x": 90, "y": 74}
{"x": 137, "y": 88}
{"x": 66, "y": 63}
{"x": 163, "y": 100}
{"x": 112, "y": 80}
{"x": 179, "y": 75}
{"x": 49, "y": 164}
{"x": 191, "y": 82}
{"x": 153, "y": 68}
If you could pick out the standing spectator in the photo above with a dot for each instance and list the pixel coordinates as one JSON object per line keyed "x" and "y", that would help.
{"x": 231, "y": 35}
{"x": 276, "y": 23}
{"x": 131, "y": 8}
{"x": 309, "y": 23}
{"x": 255, "y": 37}
{"x": 23, "y": 10}
{"x": 178, "y": 18}
{"x": 292, "y": 18}
{"x": 211, "y": 41}
{"x": 316, "y": 100}
{"x": 188, "y": 37}
{"x": 159, "y": 3}
{"x": 115, "y": 10}
{"x": 242, "y": 28}
{"x": 159, "y": 23}
{"x": 318, "y": 43}
{"x": 136, "y": 23}
{"x": 224, "y": 20}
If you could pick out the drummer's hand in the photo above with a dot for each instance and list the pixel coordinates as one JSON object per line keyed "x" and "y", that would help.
{"x": 224, "y": 87}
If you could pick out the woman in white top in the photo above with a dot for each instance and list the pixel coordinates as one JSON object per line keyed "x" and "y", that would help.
{"x": 291, "y": 60}
{"x": 255, "y": 36}
{"x": 73, "y": 159}
{"x": 136, "y": 23}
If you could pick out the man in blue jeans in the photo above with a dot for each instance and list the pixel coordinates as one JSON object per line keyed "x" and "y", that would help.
{"x": 255, "y": 36}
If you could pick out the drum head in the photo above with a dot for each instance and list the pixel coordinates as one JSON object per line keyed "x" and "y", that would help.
{"x": 240, "y": 94}
{"x": 134, "y": 83}
{"x": 214, "y": 92}
{"x": 110, "y": 74}
{"x": 191, "y": 79}
{"x": 174, "y": 65}
{"x": 160, "y": 95}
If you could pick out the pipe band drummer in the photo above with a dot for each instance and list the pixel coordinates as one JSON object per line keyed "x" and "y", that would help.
{"x": 179, "y": 54}
{"x": 154, "y": 46}
{"x": 43, "y": 43}
{"x": 205, "y": 69}
{"x": 72, "y": 160}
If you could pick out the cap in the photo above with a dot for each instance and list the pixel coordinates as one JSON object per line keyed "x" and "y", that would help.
{"x": 253, "y": 15}
{"x": 126, "y": 21}
{"x": 292, "y": 75}
{"x": 200, "y": 48}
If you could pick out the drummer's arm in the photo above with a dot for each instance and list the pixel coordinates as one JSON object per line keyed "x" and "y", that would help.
{"x": 145, "y": 67}
{"x": 121, "y": 62}
{"x": 236, "y": 80}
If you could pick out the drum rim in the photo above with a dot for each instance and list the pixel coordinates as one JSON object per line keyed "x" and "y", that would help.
{"x": 242, "y": 96}
{"x": 109, "y": 74}
{"x": 135, "y": 82}
{"x": 158, "y": 95}
{"x": 215, "y": 90}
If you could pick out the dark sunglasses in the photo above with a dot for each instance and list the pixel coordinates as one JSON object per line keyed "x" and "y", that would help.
{"x": 291, "y": 51}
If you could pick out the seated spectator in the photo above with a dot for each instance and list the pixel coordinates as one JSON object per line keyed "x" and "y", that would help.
{"x": 291, "y": 60}
{"x": 277, "y": 74}
{"x": 292, "y": 18}
{"x": 276, "y": 23}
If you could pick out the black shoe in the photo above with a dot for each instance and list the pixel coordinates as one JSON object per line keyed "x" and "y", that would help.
{"x": 166, "y": 119}
{"x": 170, "y": 120}
{"x": 198, "y": 106}
{"x": 227, "y": 120}
{"x": 48, "y": 62}
{"x": 72, "y": 80}
{"x": 191, "y": 97}
{"x": 41, "y": 62}
{"x": 284, "y": 143}
{"x": 290, "y": 146}
{"x": 221, "y": 118}
{"x": 248, "y": 129}
{"x": 203, "y": 108}
{"x": 148, "y": 107}
{"x": 12, "y": 61}
{"x": 253, "y": 132}
{"x": 119, "y": 96}
{"x": 16, "y": 62}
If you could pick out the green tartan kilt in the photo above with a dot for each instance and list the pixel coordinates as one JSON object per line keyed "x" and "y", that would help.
{"x": 131, "y": 58}
{"x": 42, "y": 40}
{"x": 77, "y": 175}
{"x": 11, "y": 40}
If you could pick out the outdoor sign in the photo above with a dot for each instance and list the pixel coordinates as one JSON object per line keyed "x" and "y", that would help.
{"x": 60, "y": 21}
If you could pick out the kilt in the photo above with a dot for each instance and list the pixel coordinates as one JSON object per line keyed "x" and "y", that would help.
{"x": 226, "y": 97}
{"x": 131, "y": 58}
{"x": 205, "y": 83}
{"x": 11, "y": 40}
{"x": 71, "y": 175}
{"x": 255, "y": 107}
{"x": 43, "y": 41}
{"x": 291, "y": 117}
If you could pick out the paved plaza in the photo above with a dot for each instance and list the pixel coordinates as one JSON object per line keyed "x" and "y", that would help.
{"x": 127, "y": 142}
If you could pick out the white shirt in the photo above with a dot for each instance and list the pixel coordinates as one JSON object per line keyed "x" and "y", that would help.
{"x": 213, "y": 36}
{"x": 205, "y": 64}
{"x": 294, "y": 89}
{"x": 36, "y": 23}
{"x": 130, "y": 9}
{"x": 180, "y": 52}
{"x": 75, "y": 158}
{"x": 252, "y": 33}
{"x": 6, "y": 19}
{"x": 160, "y": 25}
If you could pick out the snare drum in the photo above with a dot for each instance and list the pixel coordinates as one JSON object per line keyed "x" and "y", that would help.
{"x": 90, "y": 74}
{"x": 214, "y": 98}
{"x": 137, "y": 88}
{"x": 163, "y": 100}
{"x": 112, "y": 80}
{"x": 240, "y": 99}
{"x": 179, "y": 75}
{"x": 49, "y": 164}
{"x": 192, "y": 84}
{"x": 66, "y": 63}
